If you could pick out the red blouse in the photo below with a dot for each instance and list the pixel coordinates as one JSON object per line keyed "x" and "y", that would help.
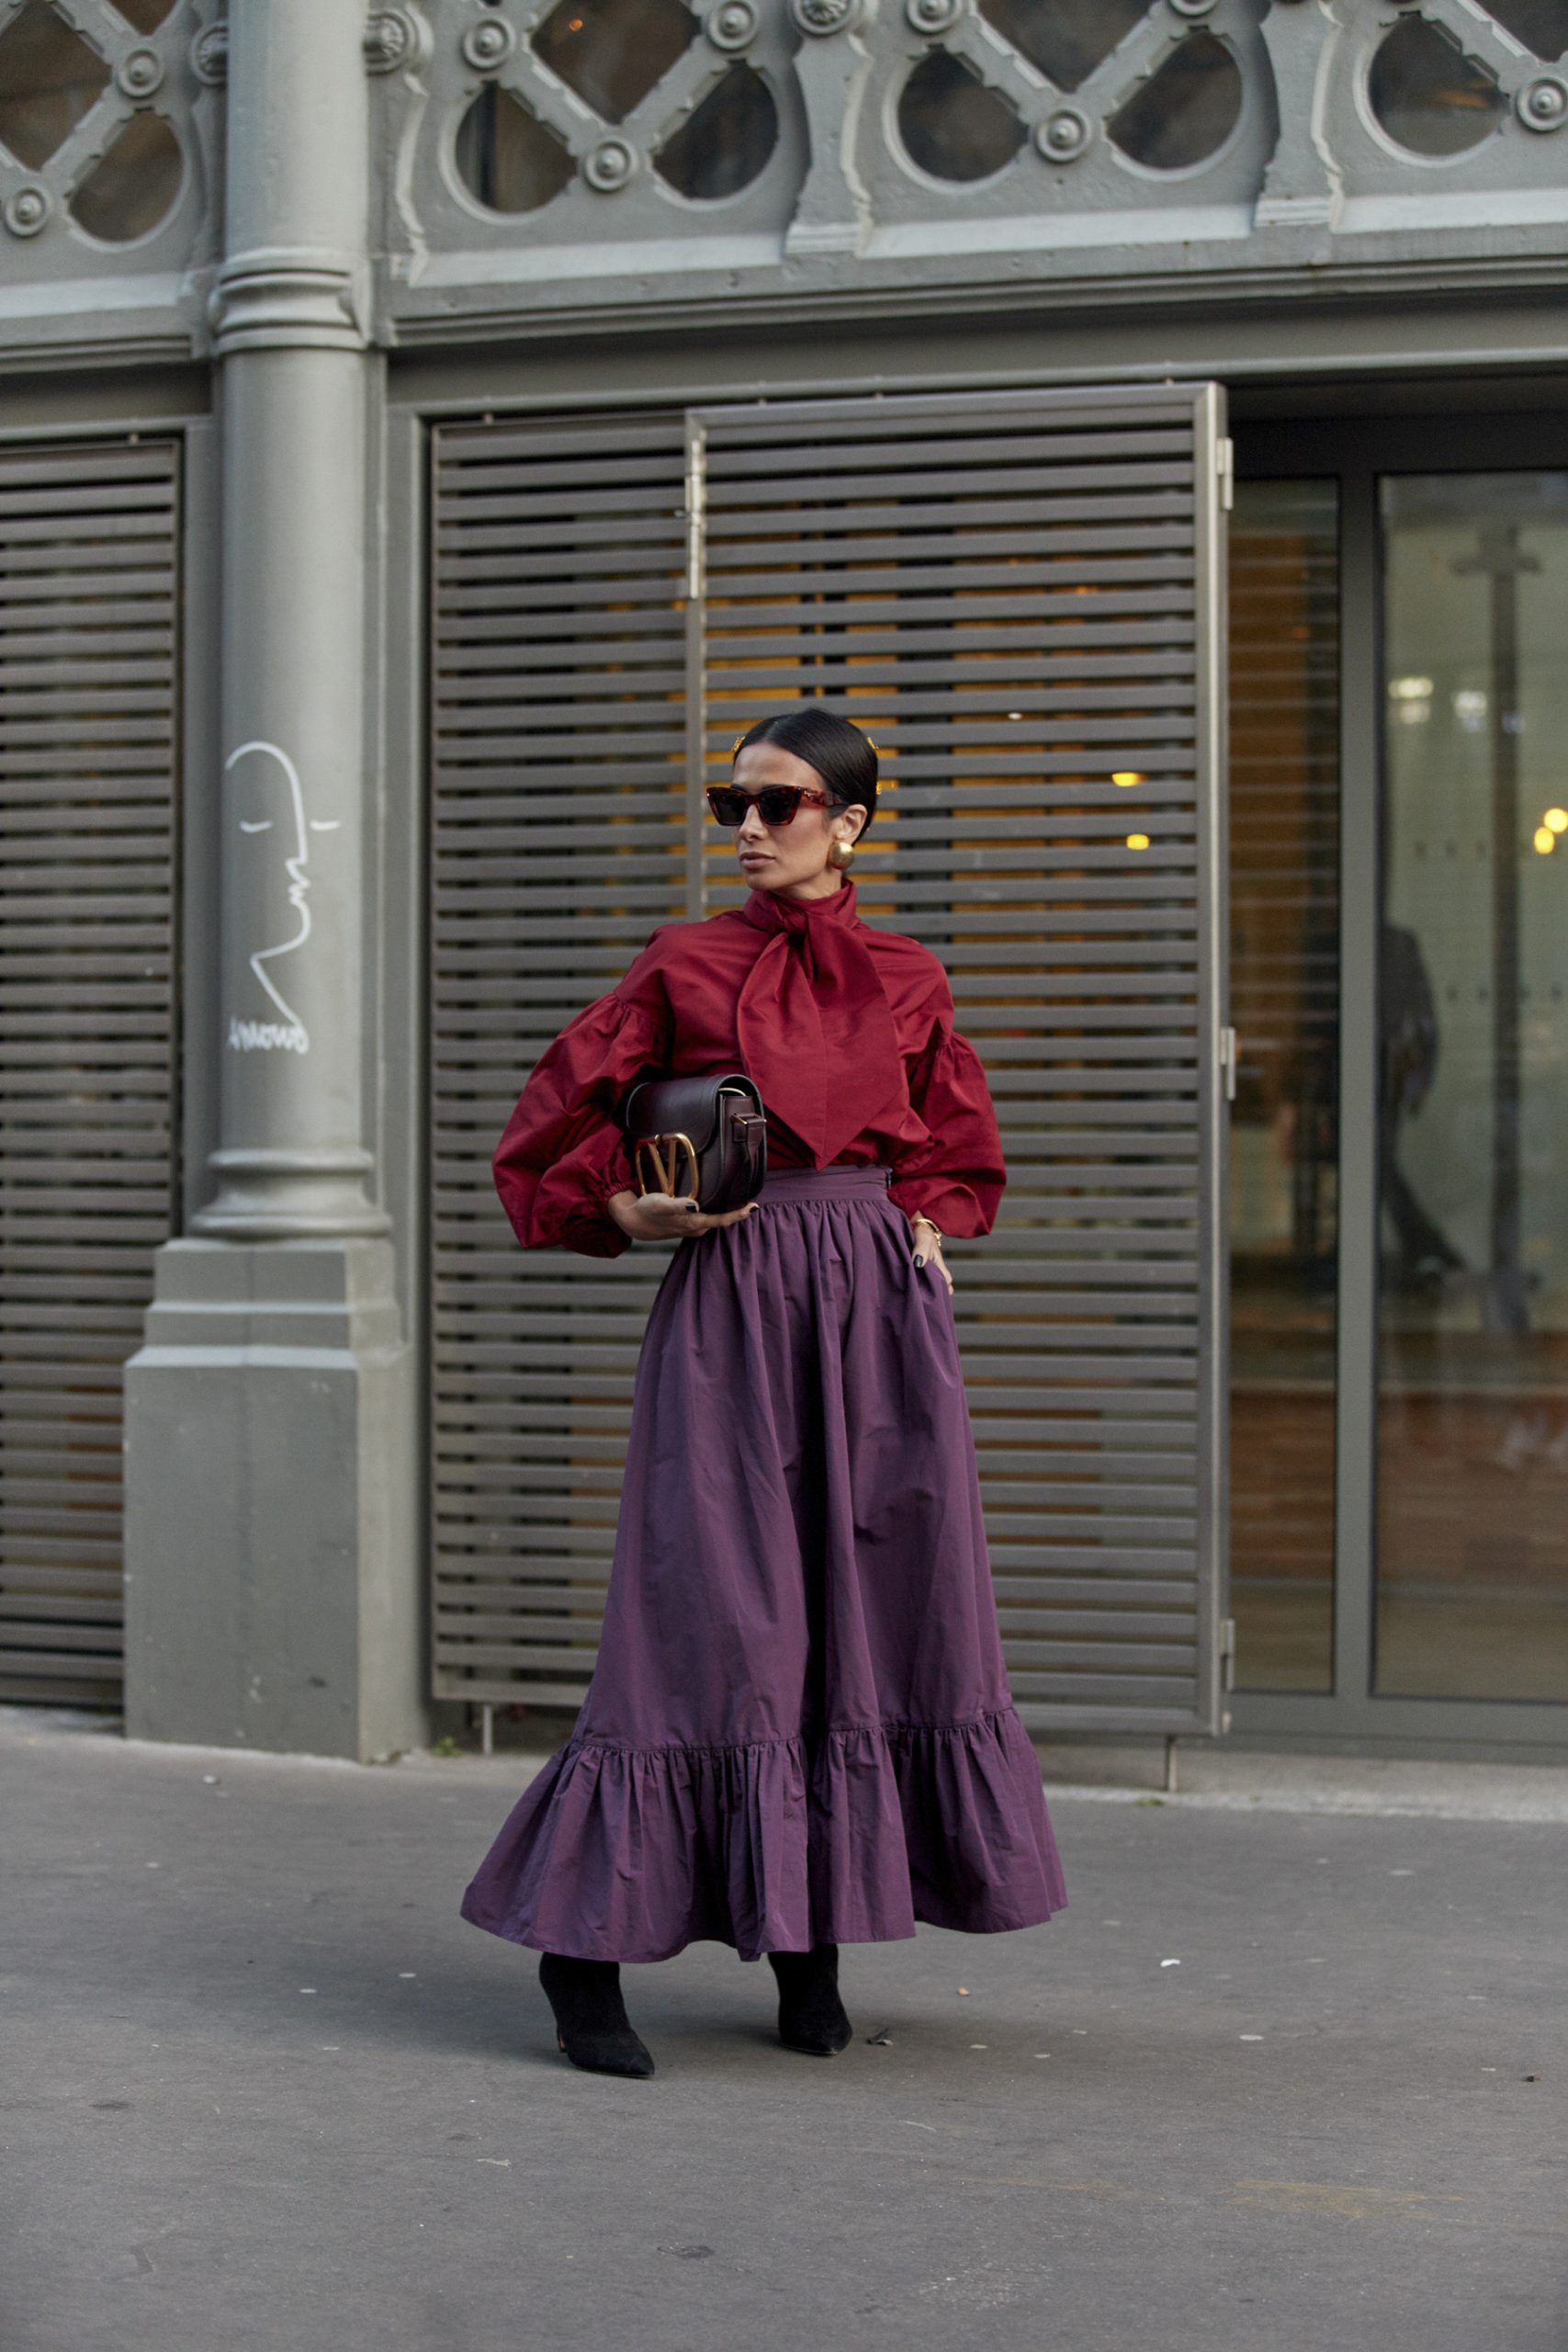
{"x": 848, "y": 1033}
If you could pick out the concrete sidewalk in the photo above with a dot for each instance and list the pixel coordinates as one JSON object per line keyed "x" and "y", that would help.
{"x": 265, "y": 2092}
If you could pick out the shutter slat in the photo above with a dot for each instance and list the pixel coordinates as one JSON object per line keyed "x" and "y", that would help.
{"x": 599, "y": 732}
{"x": 88, "y": 539}
{"x": 1017, "y": 601}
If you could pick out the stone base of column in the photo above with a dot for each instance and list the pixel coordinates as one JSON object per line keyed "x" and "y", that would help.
{"x": 273, "y": 1590}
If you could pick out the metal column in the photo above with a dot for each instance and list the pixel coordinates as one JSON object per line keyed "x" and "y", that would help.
{"x": 272, "y": 1595}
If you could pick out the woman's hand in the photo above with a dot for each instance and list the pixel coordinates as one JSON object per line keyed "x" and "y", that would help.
{"x": 658, "y": 1216}
{"x": 927, "y": 1239}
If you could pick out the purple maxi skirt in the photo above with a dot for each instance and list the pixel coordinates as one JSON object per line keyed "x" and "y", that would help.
{"x": 799, "y": 1728}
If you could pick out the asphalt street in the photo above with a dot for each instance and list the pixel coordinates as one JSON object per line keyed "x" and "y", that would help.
{"x": 1288, "y": 2077}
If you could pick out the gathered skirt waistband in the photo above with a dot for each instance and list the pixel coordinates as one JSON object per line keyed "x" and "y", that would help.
{"x": 784, "y": 1185}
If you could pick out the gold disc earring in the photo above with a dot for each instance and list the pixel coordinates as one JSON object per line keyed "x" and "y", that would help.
{"x": 839, "y": 855}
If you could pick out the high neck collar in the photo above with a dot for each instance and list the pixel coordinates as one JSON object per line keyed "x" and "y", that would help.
{"x": 770, "y": 913}
{"x": 813, "y": 1022}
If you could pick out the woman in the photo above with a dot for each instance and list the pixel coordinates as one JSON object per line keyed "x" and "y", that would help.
{"x": 799, "y": 1732}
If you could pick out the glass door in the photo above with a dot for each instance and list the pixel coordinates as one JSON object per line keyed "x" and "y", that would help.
{"x": 1399, "y": 1168}
{"x": 1471, "y": 1558}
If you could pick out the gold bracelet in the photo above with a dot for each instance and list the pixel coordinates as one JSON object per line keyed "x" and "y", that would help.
{"x": 920, "y": 1218}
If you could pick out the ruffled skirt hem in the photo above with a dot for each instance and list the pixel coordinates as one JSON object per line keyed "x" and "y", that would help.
{"x": 848, "y": 1836}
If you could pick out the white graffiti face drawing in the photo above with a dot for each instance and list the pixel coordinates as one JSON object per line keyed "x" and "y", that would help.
{"x": 279, "y": 807}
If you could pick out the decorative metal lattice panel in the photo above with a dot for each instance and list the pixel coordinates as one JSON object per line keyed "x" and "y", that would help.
{"x": 88, "y": 662}
{"x": 110, "y": 123}
{"x": 1020, "y": 599}
{"x": 603, "y": 157}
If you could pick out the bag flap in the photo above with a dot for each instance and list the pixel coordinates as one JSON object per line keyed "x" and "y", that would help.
{"x": 684, "y": 1106}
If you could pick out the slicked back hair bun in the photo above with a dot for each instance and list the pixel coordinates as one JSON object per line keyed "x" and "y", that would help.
{"x": 841, "y": 755}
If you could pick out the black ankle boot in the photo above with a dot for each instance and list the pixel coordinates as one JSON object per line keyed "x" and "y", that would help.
{"x": 811, "y": 2015}
{"x": 591, "y": 2024}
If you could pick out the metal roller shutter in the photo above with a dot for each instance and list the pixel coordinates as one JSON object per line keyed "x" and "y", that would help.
{"x": 559, "y": 841}
{"x": 88, "y": 662}
{"x": 1020, "y": 598}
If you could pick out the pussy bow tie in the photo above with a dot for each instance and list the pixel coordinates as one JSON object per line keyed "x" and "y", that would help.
{"x": 814, "y": 1026}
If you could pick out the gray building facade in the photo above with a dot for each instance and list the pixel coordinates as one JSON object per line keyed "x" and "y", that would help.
{"x": 427, "y": 435}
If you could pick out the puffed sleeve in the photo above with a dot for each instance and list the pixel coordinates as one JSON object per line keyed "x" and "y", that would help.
{"x": 957, "y": 1179}
{"x": 563, "y": 1154}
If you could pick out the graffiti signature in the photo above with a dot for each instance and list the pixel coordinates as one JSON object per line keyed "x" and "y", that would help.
{"x": 289, "y": 1034}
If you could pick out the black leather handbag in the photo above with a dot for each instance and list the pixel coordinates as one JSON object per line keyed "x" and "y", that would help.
{"x": 698, "y": 1139}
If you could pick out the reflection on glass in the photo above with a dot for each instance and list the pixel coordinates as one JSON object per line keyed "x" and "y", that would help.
{"x": 509, "y": 161}
{"x": 1540, "y": 25}
{"x": 612, "y": 52}
{"x": 724, "y": 146}
{"x": 1284, "y": 821}
{"x": 145, "y": 14}
{"x": 1065, "y": 38}
{"x": 133, "y": 184}
{"x": 1186, "y": 111}
{"x": 1472, "y": 1437}
{"x": 951, "y": 125}
{"x": 1428, "y": 95}
{"x": 49, "y": 80}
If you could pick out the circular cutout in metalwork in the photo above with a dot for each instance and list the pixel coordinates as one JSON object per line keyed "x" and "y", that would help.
{"x": 50, "y": 82}
{"x": 1542, "y": 105}
{"x": 613, "y": 52}
{"x": 732, "y": 27}
{"x": 141, "y": 72}
{"x": 725, "y": 144}
{"x": 1540, "y": 25}
{"x": 1185, "y": 112}
{"x": 933, "y": 17}
{"x": 488, "y": 44}
{"x": 1062, "y": 136}
{"x": 27, "y": 211}
{"x": 1193, "y": 7}
{"x": 1427, "y": 94}
{"x": 133, "y": 185}
{"x": 507, "y": 159}
{"x": 1065, "y": 38}
{"x": 609, "y": 165}
{"x": 951, "y": 125}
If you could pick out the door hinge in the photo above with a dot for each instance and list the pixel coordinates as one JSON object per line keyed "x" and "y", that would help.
{"x": 1227, "y": 1654}
{"x": 1225, "y": 466}
{"x": 1229, "y": 1049}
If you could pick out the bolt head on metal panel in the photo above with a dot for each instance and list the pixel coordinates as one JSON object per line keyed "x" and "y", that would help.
{"x": 488, "y": 44}
{"x": 1542, "y": 104}
{"x": 933, "y": 15}
{"x": 820, "y": 17}
{"x": 1063, "y": 135}
{"x": 732, "y": 26}
{"x": 609, "y": 165}
{"x": 141, "y": 72}
{"x": 27, "y": 210}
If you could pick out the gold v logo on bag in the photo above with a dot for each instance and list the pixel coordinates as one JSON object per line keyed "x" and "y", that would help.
{"x": 668, "y": 1158}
